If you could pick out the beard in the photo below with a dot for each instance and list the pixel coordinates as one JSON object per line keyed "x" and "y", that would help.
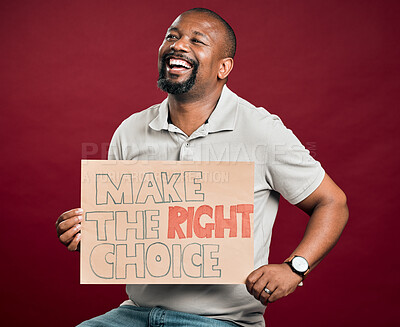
{"x": 176, "y": 88}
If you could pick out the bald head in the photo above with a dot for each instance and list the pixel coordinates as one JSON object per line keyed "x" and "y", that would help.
{"x": 229, "y": 47}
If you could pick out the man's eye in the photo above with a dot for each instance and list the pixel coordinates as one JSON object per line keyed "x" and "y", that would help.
{"x": 170, "y": 36}
{"x": 197, "y": 41}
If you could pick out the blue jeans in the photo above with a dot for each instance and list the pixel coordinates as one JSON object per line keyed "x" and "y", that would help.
{"x": 128, "y": 315}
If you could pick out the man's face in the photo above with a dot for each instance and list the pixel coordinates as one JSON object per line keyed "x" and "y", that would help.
{"x": 189, "y": 56}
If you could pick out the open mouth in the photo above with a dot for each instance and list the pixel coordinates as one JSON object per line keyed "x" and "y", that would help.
{"x": 178, "y": 65}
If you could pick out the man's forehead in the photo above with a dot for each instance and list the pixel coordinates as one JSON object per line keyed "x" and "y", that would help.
{"x": 201, "y": 24}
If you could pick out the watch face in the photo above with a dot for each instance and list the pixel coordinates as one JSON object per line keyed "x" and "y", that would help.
{"x": 300, "y": 264}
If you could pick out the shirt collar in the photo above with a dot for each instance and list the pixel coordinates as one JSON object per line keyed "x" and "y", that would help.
{"x": 223, "y": 117}
{"x": 161, "y": 120}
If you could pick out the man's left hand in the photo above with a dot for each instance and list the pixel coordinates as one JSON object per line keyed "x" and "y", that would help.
{"x": 279, "y": 279}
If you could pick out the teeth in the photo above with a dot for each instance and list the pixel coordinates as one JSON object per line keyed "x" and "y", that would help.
{"x": 177, "y": 62}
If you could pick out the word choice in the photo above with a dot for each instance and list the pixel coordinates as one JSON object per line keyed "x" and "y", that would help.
{"x": 121, "y": 261}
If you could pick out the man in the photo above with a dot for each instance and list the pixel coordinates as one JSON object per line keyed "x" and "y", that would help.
{"x": 203, "y": 120}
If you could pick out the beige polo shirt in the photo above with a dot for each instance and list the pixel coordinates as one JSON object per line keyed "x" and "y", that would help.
{"x": 235, "y": 131}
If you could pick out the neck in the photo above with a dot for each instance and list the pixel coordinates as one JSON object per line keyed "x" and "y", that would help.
{"x": 189, "y": 112}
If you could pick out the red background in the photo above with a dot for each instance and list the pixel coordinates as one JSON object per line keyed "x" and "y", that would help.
{"x": 71, "y": 71}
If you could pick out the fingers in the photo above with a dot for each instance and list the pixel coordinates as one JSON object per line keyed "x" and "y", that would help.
{"x": 65, "y": 225}
{"x": 252, "y": 279}
{"x": 256, "y": 283}
{"x": 68, "y": 236}
{"x": 264, "y": 296}
{"x": 276, "y": 295}
{"x": 279, "y": 280}
{"x": 74, "y": 244}
{"x": 69, "y": 214}
{"x": 68, "y": 227}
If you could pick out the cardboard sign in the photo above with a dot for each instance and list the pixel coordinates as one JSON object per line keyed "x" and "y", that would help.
{"x": 166, "y": 222}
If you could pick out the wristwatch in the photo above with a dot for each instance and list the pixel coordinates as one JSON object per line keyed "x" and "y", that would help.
{"x": 299, "y": 265}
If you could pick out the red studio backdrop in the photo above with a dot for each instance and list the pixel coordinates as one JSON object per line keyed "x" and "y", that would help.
{"x": 71, "y": 71}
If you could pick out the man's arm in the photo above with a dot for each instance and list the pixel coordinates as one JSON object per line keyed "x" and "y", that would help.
{"x": 328, "y": 216}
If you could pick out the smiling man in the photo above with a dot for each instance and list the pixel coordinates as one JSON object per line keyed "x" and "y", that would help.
{"x": 202, "y": 120}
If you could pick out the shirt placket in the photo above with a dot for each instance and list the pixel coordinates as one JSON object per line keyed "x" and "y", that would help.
{"x": 187, "y": 148}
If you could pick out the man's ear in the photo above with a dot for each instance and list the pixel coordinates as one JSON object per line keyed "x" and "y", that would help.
{"x": 225, "y": 68}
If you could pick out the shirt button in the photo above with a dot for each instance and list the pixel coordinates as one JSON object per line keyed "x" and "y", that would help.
{"x": 187, "y": 145}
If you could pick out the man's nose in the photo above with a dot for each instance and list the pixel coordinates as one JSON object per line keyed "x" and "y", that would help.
{"x": 180, "y": 45}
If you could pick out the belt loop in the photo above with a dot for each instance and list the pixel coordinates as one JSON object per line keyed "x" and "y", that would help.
{"x": 156, "y": 317}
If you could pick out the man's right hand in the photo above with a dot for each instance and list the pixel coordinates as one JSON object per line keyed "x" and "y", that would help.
{"x": 68, "y": 227}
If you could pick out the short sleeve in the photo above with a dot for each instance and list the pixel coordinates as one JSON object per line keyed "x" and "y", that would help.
{"x": 289, "y": 168}
{"x": 115, "y": 149}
